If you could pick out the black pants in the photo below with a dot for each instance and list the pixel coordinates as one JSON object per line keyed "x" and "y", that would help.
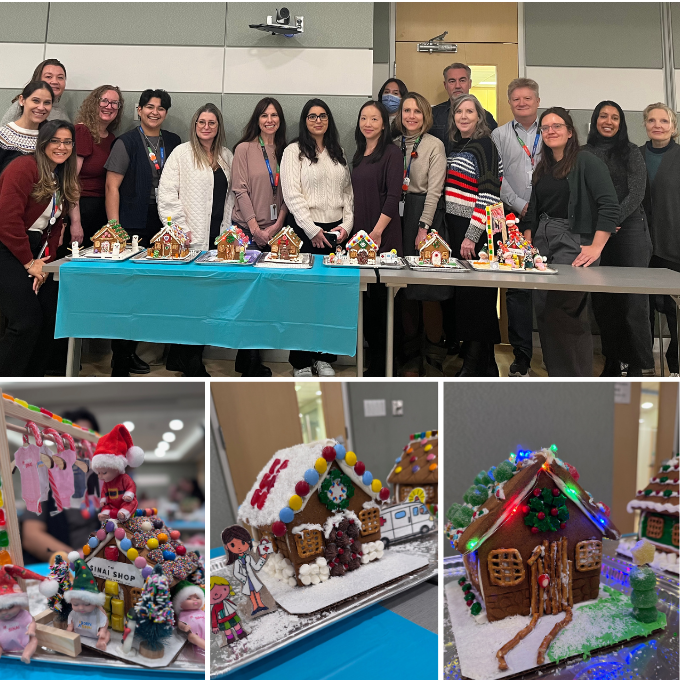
{"x": 624, "y": 319}
{"x": 26, "y": 346}
{"x": 375, "y": 324}
{"x": 520, "y": 308}
{"x": 299, "y": 358}
{"x": 665, "y": 305}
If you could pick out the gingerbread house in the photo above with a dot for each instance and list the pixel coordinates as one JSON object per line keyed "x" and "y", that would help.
{"x": 317, "y": 505}
{"x": 285, "y": 245}
{"x": 417, "y": 467}
{"x": 434, "y": 250}
{"x": 171, "y": 242}
{"x": 658, "y": 504}
{"x": 362, "y": 249}
{"x": 231, "y": 243}
{"x": 119, "y": 553}
{"x": 531, "y": 536}
{"x": 109, "y": 234}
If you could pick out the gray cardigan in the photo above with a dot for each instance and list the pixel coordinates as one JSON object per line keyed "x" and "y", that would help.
{"x": 662, "y": 205}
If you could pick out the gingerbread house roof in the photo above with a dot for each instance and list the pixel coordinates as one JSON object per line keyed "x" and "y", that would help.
{"x": 433, "y": 239}
{"x": 286, "y": 231}
{"x": 415, "y": 465}
{"x": 177, "y": 569}
{"x": 507, "y": 498}
{"x": 116, "y": 231}
{"x": 663, "y": 491}
{"x": 176, "y": 232}
{"x": 231, "y": 234}
{"x": 362, "y": 240}
{"x": 276, "y": 484}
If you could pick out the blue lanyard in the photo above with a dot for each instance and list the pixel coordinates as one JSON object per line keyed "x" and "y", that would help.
{"x": 161, "y": 150}
{"x": 273, "y": 181}
{"x": 531, "y": 155}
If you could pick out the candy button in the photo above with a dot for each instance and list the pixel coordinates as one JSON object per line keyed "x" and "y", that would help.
{"x": 428, "y": 448}
{"x": 286, "y": 515}
{"x": 162, "y": 538}
{"x": 433, "y": 467}
{"x": 431, "y": 456}
{"x": 132, "y": 554}
{"x": 311, "y": 477}
{"x": 398, "y": 469}
{"x": 21, "y": 402}
{"x": 367, "y": 478}
{"x": 34, "y": 408}
{"x": 376, "y": 485}
{"x": 295, "y": 502}
{"x": 320, "y": 465}
{"x": 351, "y": 458}
{"x": 152, "y": 543}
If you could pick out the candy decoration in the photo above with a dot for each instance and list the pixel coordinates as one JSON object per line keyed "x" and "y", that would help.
{"x": 367, "y": 478}
{"x": 148, "y": 512}
{"x": 415, "y": 468}
{"x": 320, "y": 465}
{"x": 536, "y": 492}
{"x": 119, "y": 533}
{"x": 413, "y": 459}
{"x": 110, "y": 526}
{"x": 555, "y": 492}
{"x": 139, "y": 512}
{"x": 384, "y": 493}
{"x": 376, "y": 485}
{"x": 311, "y": 477}
{"x": 541, "y": 515}
{"x": 302, "y": 488}
{"x": 132, "y": 554}
{"x": 86, "y": 550}
{"x": 93, "y": 542}
{"x": 146, "y": 526}
{"x": 475, "y": 609}
{"x": 278, "y": 529}
{"x": 427, "y": 448}
{"x": 398, "y": 469}
{"x": 554, "y": 512}
{"x": 431, "y": 456}
{"x": 544, "y": 580}
{"x": 140, "y": 563}
{"x": 359, "y": 468}
{"x": 174, "y": 535}
{"x": 328, "y": 453}
{"x": 351, "y": 458}
{"x": 162, "y": 538}
{"x": 286, "y": 515}
{"x": 152, "y": 543}
{"x": 157, "y": 523}
{"x": 295, "y": 502}
{"x": 433, "y": 467}
{"x": 180, "y": 550}
{"x": 168, "y": 555}
{"x": 125, "y": 544}
{"x": 101, "y": 535}
{"x": 534, "y": 530}
{"x": 146, "y": 572}
{"x": 340, "y": 451}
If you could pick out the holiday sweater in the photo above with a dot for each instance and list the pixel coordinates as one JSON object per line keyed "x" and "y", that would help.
{"x": 473, "y": 181}
{"x": 119, "y": 495}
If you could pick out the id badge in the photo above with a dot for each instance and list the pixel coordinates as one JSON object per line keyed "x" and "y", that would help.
{"x": 272, "y": 211}
{"x": 401, "y": 208}
{"x": 155, "y": 193}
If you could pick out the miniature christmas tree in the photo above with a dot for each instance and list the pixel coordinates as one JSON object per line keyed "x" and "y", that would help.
{"x": 643, "y": 581}
{"x": 59, "y": 571}
{"x": 154, "y": 614}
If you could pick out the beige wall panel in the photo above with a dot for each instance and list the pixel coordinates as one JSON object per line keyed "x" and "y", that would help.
{"x": 240, "y": 407}
{"x": 487, "y": 22}
{"x": 423, "y": 72}
{"x": 665, "y": 432}
{"x": 333, "y": 410}
{"x": 626, "y": 429}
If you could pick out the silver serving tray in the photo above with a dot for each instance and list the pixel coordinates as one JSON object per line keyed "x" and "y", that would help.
{"x": 143, "y": 258}
{"x": 458, "y": 268}
{"x": 224, "y": 660}
{"x": 306, "y": 262}
{"x": 399, "y": 264}
{"x": 210, "y": 258}
{"x": 536, "y": 272}
{"x": 89, "y": 256}
{"x": 619, "y": 662}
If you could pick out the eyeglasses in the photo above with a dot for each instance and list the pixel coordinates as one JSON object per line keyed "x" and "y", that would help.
{"x": 206, "y": 123}
{"x": 104, "y": 103}
{"x": 557, "y": 127}
{"x": 58, "y": 142}
{"x": 312, "y": 117}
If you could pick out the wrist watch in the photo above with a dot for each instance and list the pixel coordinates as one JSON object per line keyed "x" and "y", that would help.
{"x": 422, "y": 225}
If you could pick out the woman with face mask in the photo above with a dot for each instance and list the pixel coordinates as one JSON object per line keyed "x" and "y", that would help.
{"x": 391, "y": 94}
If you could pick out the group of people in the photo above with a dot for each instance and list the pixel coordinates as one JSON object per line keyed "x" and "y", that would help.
{"x": 416, "y": 168}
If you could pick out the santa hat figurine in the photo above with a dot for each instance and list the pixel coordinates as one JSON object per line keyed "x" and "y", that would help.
{"x": 17, "y": 626}
{"x": 114, "y": 452}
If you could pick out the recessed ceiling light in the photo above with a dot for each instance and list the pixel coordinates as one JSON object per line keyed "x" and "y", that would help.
{"x": 169, "y": 437}
{"x": 297, "y": 388}
{"x": 176, "y": 424}
{"x": 647, "y": 404}
{"x": 163, "y": 446}
{"x": 642, "y": 420}
{"x": 159, "y": 453}
{"x": 318, "y": 393}
{"x": 129, "y": 425}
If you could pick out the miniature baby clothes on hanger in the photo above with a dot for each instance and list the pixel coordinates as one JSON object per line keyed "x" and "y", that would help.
{"x": 27, "y": 459}
{"x": 44, "y": 475}
{"x": 61, "y": 481}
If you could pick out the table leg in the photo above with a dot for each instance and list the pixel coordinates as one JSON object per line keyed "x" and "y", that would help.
{"x": 676, "y": 299}
{"x": 658, "y": 325}
{"x": 389, "y": 349}
{"x": 360, "y": 337}
{"x": 73, "y": 357}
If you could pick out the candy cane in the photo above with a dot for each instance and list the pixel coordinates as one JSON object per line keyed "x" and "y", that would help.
{"x": 69, "y": 439}
{"x": 35, "y": 431}
{"x": 60, "y": 448}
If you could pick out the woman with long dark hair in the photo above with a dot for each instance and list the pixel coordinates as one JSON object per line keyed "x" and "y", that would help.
{"x": 35, "y": 191}
{"x": 376, "y": 182}
{"x": 623, "y": 319}
{"x": 390, "y": 95}
{"x": 572, "y": 212}
{"x": 18, "y": 137}
{"x": 318, "y": 192}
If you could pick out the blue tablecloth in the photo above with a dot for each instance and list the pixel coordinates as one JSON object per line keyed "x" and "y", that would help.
{"x": 307, "y": 309}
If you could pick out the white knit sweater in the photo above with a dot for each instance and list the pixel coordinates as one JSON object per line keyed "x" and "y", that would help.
{"x": 185, "y": 193}
{"x": 316, "y": 192}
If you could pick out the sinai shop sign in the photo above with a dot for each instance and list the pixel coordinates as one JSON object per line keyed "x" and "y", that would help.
{"x": 127, "y": 574}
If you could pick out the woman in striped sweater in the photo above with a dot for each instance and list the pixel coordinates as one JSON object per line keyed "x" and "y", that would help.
{"x": 473, "y": 181}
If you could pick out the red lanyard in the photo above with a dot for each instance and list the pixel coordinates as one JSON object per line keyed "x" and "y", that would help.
{"x": 531, "y": 154}
{"x": 407, "y": 168}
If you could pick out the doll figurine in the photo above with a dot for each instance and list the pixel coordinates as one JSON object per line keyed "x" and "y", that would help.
{"x": 238, "y": 544}
{"x": 223, "y": 615}
{"x": 114, "y": 452}
{"x": 17, "y": 626}
{"x": 87, "y": 616}
{"x": 188, "y": 600}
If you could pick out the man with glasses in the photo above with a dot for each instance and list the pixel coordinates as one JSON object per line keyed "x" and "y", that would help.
{"x": 457, "y": 81}
{"x": 519, "y": 144}
{"x": 133, "y": 171}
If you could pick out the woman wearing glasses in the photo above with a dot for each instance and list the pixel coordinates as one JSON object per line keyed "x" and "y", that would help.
{"x": 35, "y": 191}
{"x": 194, "y": 190}
{"x": 318, "y": 192}
{"x": 572, "y": 212}
{"x": 98, "y": 117}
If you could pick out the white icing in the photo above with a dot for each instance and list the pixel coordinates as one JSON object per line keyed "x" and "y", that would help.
{"x": 651, "y": 505}
{"x": 306, "y": 527}
{"x": 370, "y": 504}
{"x": 337, "y": 518}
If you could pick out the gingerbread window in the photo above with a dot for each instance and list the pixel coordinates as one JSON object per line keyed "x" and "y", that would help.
{"x": 588, "y": 555}
{"x": 370, "y": 521}
{"x": 654, "y": 527}
{"x": 309, "y": 543}
{"x": 676, "y": 534}
{"x": 505, "y": 567}
{"x": 135, "y": 595}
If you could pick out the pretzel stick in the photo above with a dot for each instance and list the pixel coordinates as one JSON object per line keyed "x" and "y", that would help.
{"x": 557, "y": 561}
{"x": 500, "y": 654}
{"x": 548, "y": 570}
{"x": 547, "y": 640}
{"x": 534, "y": 589}
{"x": 565, "y": 572}
{"x": 541, "y": 591}
{"x": 571, "y": 592}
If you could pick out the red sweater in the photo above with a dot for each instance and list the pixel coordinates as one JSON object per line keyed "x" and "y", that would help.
{"x": 18, "y": 211}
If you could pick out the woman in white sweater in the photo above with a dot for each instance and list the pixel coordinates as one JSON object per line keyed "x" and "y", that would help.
{"x": 195, "y": 191}
{"x": 317, "y": 188}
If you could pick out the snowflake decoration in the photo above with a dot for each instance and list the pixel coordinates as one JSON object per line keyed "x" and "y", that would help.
{"x": 336, "y": 490}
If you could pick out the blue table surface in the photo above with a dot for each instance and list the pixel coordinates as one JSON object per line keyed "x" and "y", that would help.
{"x": 304, "y": 309}
{"x": 366, "y": 645}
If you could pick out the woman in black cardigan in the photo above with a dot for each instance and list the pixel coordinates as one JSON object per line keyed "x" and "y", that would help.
{"x": 662, "y": 205}
{"x": 572, "y": 212}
